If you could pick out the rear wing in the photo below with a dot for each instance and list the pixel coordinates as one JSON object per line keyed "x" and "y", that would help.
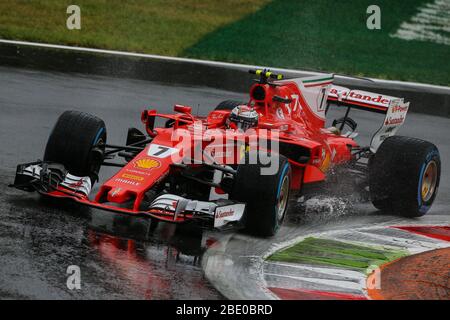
{"x": 394, "y": 108}
{"x": 359, "y": 99}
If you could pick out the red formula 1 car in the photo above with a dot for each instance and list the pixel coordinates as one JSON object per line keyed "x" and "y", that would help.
{"x": 240, "y": 165}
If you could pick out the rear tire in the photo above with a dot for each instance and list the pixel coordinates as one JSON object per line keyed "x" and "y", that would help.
{"x": 72, "y": 140}
{"x": 266, "y": 196}
{"x": 228, "y": 105}
{"x": 404, "y": 176}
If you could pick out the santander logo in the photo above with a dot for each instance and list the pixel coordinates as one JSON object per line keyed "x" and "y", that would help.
{"x": 378, "y": 99}
{"x": 391, "y": 121}
{"x": 224, "y": 214}
{"x": 361, "y": 96}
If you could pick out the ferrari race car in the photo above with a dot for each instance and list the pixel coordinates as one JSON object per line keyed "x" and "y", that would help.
{"x": 240, "y": 165}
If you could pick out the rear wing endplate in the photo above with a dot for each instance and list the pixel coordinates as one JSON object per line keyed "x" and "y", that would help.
{"x": 394, "y": 108}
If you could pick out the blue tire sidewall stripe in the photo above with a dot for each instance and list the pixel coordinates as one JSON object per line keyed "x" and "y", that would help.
{"x": 283, "y": 173}
{"x": 286, "y": 167}
{"x": 419, "y": 185}
{"x": 97, "y": 137}
{"x": 422, "y": 207}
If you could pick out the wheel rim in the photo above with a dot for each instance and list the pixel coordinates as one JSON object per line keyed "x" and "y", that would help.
{"x": 283, "y": 198}
{"x": 429, "y": 180}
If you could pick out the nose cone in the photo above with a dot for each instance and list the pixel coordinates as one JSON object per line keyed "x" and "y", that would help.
{"x": 118, "y": 195}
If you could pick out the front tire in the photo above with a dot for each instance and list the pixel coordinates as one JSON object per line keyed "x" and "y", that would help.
{"x": 72, "y": 141}
{"x": 404, "y": 176}
{"x": 266, "y": 196}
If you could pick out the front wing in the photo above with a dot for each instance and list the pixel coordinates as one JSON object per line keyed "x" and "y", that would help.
{"x": 51, "y": 179}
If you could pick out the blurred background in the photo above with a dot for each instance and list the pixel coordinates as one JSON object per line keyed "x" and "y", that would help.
{"x": 412, "y": 44}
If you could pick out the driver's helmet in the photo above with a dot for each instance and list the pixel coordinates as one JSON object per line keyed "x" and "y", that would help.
{"x": 243, "y": 118}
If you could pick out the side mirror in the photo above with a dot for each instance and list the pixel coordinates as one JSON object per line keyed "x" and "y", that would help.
{"x": 182, "y": 109}
{"x": 148, "y": 118}
{"x": 146, "y": 114}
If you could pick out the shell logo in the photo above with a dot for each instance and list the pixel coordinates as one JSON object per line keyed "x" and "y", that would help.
{"x": 147, "y": 163}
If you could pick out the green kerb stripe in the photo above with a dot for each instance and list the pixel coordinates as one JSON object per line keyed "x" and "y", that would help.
{"x": 317, "y": 251}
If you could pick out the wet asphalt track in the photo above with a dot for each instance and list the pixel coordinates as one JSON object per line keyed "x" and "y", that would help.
{"x": 119, "y": 256}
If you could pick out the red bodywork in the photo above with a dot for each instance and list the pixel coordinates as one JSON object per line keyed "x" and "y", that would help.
{"x": 300, "y": 123}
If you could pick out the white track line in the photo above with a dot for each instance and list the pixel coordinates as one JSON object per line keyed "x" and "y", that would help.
{"x": 431, "y": 23}
{"x": 415, "y": 245}
{"x": 239, "y": 66}
{"x": 341, "y": 284}
{"x": 344, "y": 273}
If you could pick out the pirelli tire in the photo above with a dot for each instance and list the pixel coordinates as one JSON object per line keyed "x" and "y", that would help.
{"x": 266, "y": 195}
{"x": 72, "y": 142}
{"x": 228, "y": 105}
{"x": 404, "y": 176}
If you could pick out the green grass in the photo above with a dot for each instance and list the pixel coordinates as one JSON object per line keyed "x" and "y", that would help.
{"x": 323, "y": 34}
{"x": 329, "y": 35}
{"x": 336, "y": 253}
{"x": 165, "y": 27}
